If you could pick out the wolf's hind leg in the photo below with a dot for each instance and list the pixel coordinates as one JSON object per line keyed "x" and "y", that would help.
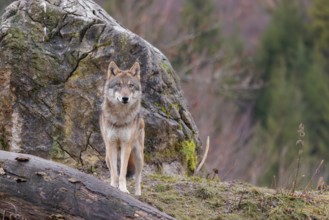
{"x": 138, "y": 154}
{"x": 139, "y": 162}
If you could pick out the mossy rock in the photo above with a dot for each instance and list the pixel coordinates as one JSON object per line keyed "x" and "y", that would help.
{"x": 56, "y": 58}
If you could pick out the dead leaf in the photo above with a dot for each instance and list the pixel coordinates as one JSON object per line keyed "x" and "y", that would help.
{"x": 57, "y": 216}
{"x": 41, "y": 173}
{"x": 140, "y": 213}
{"x": 2, "y": 171}
{"x": 73, "y": 180}
{"x": 22, "y": 159}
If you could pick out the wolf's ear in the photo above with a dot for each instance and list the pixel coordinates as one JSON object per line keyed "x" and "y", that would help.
{"x": 112, "y": 70}
{"x": 136, "y": 70}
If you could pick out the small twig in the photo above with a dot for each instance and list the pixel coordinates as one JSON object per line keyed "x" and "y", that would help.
{"x": 204, "y": 156}
{"x": 274, "y": 182}
{"x": 321, "y": 184}
{"x": 300, "y": 142}
{"x": 240, "y": 200}
{"x": 316, "y": 172}
{"x": 297, "y": 172}
{"x": 13, "y": 206}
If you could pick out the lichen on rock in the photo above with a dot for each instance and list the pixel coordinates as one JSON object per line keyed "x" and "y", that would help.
{"x": 53, "y": 62}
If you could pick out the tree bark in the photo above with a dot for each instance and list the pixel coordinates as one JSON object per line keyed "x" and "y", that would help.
{"x": 35, "y": 188}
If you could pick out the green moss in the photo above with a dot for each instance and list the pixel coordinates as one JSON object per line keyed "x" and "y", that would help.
{"x": 38, "y": 61}
{"x": 147, "y": 157}
{"x": 203, "y": 193}
{"x": 3, "y": 144}
{"x": 17, "y": 40}
{"x": 169, "y": 198}
{"x": 161, "y": 187}
{"x": 164, "y": 178}
{"x": 176, "y": 106}
{"x": 3, "y": 140}
{"x": 75, "y": 35}
{"x": 196, "y": 179}
{"x": 166, "y": 67}
{"x": 180, "y": 126}
{"x": 188, "y": 151}
{"x": 184, "y": 151}
{"x": 168, "y": 154}
{"x": 250, "y": 209}
{"x": 56, "y": 151}
{"x": 92, "y": 169}
{"x": 52, "y": 18}
{"x": 162, "y": 109}
{"x": 124, "y": 39}
{"x": 105, "y": 44}
{"x": 167, "y": 110}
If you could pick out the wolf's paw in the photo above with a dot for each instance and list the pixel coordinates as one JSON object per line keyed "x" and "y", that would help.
{"x": 124, "y": 189}
{"x": 114, "y": 184}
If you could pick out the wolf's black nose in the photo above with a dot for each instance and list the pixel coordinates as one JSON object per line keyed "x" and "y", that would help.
{"x": 125, "y": 99}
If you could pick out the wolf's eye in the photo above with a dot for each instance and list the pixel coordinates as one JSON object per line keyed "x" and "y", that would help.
{"x": 131, "y": 85}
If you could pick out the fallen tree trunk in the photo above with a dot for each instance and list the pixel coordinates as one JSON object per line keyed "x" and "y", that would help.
{"x": 35, "y": 188}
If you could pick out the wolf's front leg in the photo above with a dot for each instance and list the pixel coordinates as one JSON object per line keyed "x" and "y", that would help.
{"x": 125, "y": 153}
{"x": 112, "y": 162}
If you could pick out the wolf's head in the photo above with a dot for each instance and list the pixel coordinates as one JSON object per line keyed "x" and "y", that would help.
{"x": 123, "y": 86}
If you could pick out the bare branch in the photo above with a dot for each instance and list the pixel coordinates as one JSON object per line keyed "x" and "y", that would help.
{"x": 204, "y": 157}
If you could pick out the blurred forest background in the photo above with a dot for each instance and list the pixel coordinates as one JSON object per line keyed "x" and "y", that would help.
{"x": 252, "y": 71}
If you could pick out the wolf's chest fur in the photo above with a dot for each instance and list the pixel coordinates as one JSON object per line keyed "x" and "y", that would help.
{"x": 121, "y": 122}
{"x": 122, "y": 131}
{"x": 119, "y": 134}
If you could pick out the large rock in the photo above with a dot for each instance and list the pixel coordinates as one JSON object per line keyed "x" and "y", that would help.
{"x": 53, "y": 61}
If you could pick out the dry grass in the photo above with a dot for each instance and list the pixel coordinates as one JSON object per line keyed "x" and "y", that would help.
{"x": 198, "y": 198}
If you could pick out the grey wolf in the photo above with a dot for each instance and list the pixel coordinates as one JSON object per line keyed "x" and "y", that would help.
{"x": 122, "y": 125}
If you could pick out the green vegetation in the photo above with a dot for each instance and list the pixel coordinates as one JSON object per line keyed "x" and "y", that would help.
{"x": 56, "y": 151}
{"x": 184, "y": 151}
{"x": 163, "y": 109}
{"x": 295, "y": 91}
{"x": 199, "y": 198}
{"x": 189, "y": 155}
{"x": 204, "y": 37}
{"x": 320, "y": 24}
{"x": 4, "y": 143}
{"x": 201, "y": 34}
{"x": 167, "y": 68}
{"x": 18, "y": 37}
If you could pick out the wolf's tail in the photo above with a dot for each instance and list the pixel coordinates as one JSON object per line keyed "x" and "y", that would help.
{"x": 131, "y": 166}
